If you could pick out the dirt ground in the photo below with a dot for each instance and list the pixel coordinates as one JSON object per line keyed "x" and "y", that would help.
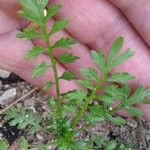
{"x": 135, "y": 134}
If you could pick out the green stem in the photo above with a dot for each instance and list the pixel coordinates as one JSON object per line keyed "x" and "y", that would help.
{"x": 54, "y": 67}
{"x": 89, "y": 100}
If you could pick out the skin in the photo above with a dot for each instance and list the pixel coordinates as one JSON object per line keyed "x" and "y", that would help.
{"x": 95, "y": 24}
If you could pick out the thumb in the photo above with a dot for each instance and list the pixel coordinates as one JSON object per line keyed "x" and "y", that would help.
{"x": 8, "y": 15}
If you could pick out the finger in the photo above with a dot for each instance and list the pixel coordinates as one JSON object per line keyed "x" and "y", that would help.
{"x": 12, "y": 51}
{"x": 78, "y": 49}
{"x": 103, "y": 24}
{"x": 8, "y": 15}
{"x": 138, "y": 13}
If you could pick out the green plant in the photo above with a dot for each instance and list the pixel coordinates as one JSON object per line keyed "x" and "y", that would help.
{"x": 3, "y": 145}
{"x": 68, "y": 109}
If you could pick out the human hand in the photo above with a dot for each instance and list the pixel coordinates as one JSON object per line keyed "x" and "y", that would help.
{"x": 96, "y": 24}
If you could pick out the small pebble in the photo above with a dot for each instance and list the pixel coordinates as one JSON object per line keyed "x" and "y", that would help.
{"x": 4, "y": 74}
{"x": 6, "y": 86}
{"x": 39, "y": 136}
{"x": 8, "y": 96}
{"x": 132, "y": 123}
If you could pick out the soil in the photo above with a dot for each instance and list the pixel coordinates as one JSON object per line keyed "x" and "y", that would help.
{"x": 135, "y": 134}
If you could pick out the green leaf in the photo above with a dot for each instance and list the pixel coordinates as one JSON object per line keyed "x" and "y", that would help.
{"x": 97, "y": 114}
{"x": 48, "y": 85}
{"x": 118, "y": 120}
{"x": 121, "y": 77}
{"x": 126, "y": 90}
{"x": 71, "y": 109}
{"x": 23, "y": 119}
{"x": 99, "y": 59}
{"x": 27, "y": 15}
{"x": 40, "y": 69}
{"x": 106, "y": 99}
{"x": 31, "y": 6}
{"x": 148, "y": 148}
{"x": 3, "y": 145}
{"x": 28, "y": 34}
{"x": 24, "y": 143}
{"x": 67, "y": 58}
{"x": 136, "y": 112}
{"x": 64, "y": 43}
{"x": 78, "y": 94}
{"x": 122, "y": 147}
{"x": 42, "y": 3}
{"x": 93, "y": 119}
{"x": 53, "y": 10}
{"x": 86, "y": 84}
{"x": 51, "y": 102}
{"x": 34, "y": 52}
{"x": 35, "y": 7}
{"x": 116, "y": 46}
{"x": 98, "y": 139}
{"x": 146, "y": 101}
{"x": 59, "y": 25}
{"x": 89, "y": 73}
{"x": 139, "y": 95}
{"x": 115, "y": 92}
{"x": 68, "y": 75}
{"x": 123, "y": 57}
{"x": 111, "y": 145}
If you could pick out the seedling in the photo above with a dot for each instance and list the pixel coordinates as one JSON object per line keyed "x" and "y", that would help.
{"x": 68, "y": 109}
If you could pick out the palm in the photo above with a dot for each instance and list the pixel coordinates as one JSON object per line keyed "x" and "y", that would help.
{"x": 96, "y": 24}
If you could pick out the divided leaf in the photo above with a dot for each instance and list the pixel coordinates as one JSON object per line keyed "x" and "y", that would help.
{"x": 64, "y": 43}
{"x": 23, "y": 118}
{"x": 28, "y": 34}
{"x": 120, "y": 59}
{"x": 3, "y": 145}
{"x": 48, "y": 85}
{"x": 68, "y": 75}
{"x": 42, "y": 3}
{"x": 97, "y": 113}
{"x": 67, "y": 58}
{"x": 118, "y": 120}
{"x": 59, "y": 25}
{"x": 27, "y": 15}
{"x": 99, "y": 59}
{"x": 115, "y": 92}
{"x": 90, "y": 73}
{"x": 53, "y": 10}
{"x": 78, "y": 94}
{"x": 34, "y": 7}
{"x": 40, "y": 69}
{"x": 139, "y": 95}
{"x": 136, "y": 112}
{"x": 115, "y": 48}
{"x": 111, "y": 145}
{"x": 30, "y": 6}
{"x": 34, "y": 52}
{"x": 121, "y": 77}
{"x": 86, "y": 84}
{"x": 24, "y": 143}
{"x": 106, "y": 99}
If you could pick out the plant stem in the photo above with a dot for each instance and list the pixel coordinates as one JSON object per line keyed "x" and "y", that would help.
{"x": 89, "y": 100}
{"x": 54, "y": 67}
{"x": 53, "y": 61}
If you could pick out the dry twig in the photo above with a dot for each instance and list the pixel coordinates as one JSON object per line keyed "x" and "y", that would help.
{"x": 15, "y": 102}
